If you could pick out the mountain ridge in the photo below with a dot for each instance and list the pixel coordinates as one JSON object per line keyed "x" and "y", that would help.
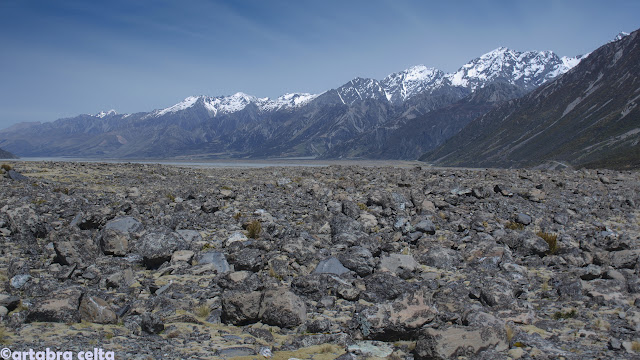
{"x": 588, "y": 117}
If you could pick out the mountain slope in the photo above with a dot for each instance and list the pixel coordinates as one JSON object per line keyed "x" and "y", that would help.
{"x": 6, "y": 155}
{"x": 588, "y": 117}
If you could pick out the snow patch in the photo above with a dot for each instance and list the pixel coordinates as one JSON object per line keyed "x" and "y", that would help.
{"x": 103, "y": 114}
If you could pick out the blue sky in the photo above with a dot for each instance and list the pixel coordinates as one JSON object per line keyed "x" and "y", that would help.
{"x": 63, "y": 58}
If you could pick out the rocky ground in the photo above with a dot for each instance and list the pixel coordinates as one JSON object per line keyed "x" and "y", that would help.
{"x": 348, "y": 262}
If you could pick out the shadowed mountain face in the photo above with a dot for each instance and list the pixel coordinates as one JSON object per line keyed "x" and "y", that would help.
{"x": 393, "y": 118}
{"x": 588, "y": 117}
{"x": 6, "y": 155}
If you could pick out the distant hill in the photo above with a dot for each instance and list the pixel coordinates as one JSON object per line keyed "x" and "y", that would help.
{"x": 587, "y": 117}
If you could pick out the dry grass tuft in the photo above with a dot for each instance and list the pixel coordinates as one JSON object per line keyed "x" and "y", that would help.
{"x": 551, "y": 239}
{"x": 254, "y": 229}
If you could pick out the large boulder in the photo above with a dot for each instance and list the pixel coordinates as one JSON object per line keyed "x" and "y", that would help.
{"x": 96, "y": 310}
{"x": 358, "y": 259}
{"x": 281, "y": 307}
{"x": 458, "y": 341}
{"x": 62, "y": 306}
{"x": 74, "y": 247}
{"x": 24, "y": 222}
{"x": 157, "y": 245}
{"x": 241, "y": 308}
{"x": 382, "y": 287}
{"x": 117, "y": 234}
{"x": 400, "y": 319}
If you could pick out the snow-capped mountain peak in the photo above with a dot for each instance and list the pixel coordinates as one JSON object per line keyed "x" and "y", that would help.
{"x": 102, "y": 114}
{"x": 286, "y": 101}
{"x": 529, "y": 69}
{"x": 237, "y": 102}
{"x": 405, "y": 84}
{"x": 620, "y": 35}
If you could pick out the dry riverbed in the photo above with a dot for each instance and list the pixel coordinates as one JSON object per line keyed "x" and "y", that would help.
{"x": 344, "y": 261}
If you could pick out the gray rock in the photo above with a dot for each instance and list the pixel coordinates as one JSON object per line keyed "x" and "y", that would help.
{"x": 16, "y": 176}
{"x": 440, "y": 257}
{"x": 398, "y": 263}
{"x": 125, "y": 224}
{"x": 523, "y": 219}
{"x": 330, "y": 266}
{"x": 217, "y": 259}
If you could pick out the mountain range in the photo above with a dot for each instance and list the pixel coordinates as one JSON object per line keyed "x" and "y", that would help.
{"x": 588, "y": 117}
{"x": 399, "y": 117}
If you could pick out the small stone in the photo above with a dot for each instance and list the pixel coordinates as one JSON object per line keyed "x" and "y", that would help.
{"x": 426, "y": 226}
{"x": 523, "y": 219}
{"x": 516, "y": 353}
{"x": 18, "y": 281}
{"x": 235, "y": 237}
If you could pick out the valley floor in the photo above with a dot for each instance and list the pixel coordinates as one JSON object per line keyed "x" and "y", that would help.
{"x": 348, "y": 261}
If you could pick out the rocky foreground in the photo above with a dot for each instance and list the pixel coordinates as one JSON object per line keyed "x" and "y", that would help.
{"x": 153, "y": 261}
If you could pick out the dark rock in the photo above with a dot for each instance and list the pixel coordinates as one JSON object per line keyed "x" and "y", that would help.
{"x": 358, "y": 259}
{"x": 381, "y": 287}
{"x": 247, "y": 259}
{"x": 157, "y": 245}
{"x": 151, "y": 323}
{"x": 8, "y": 301}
